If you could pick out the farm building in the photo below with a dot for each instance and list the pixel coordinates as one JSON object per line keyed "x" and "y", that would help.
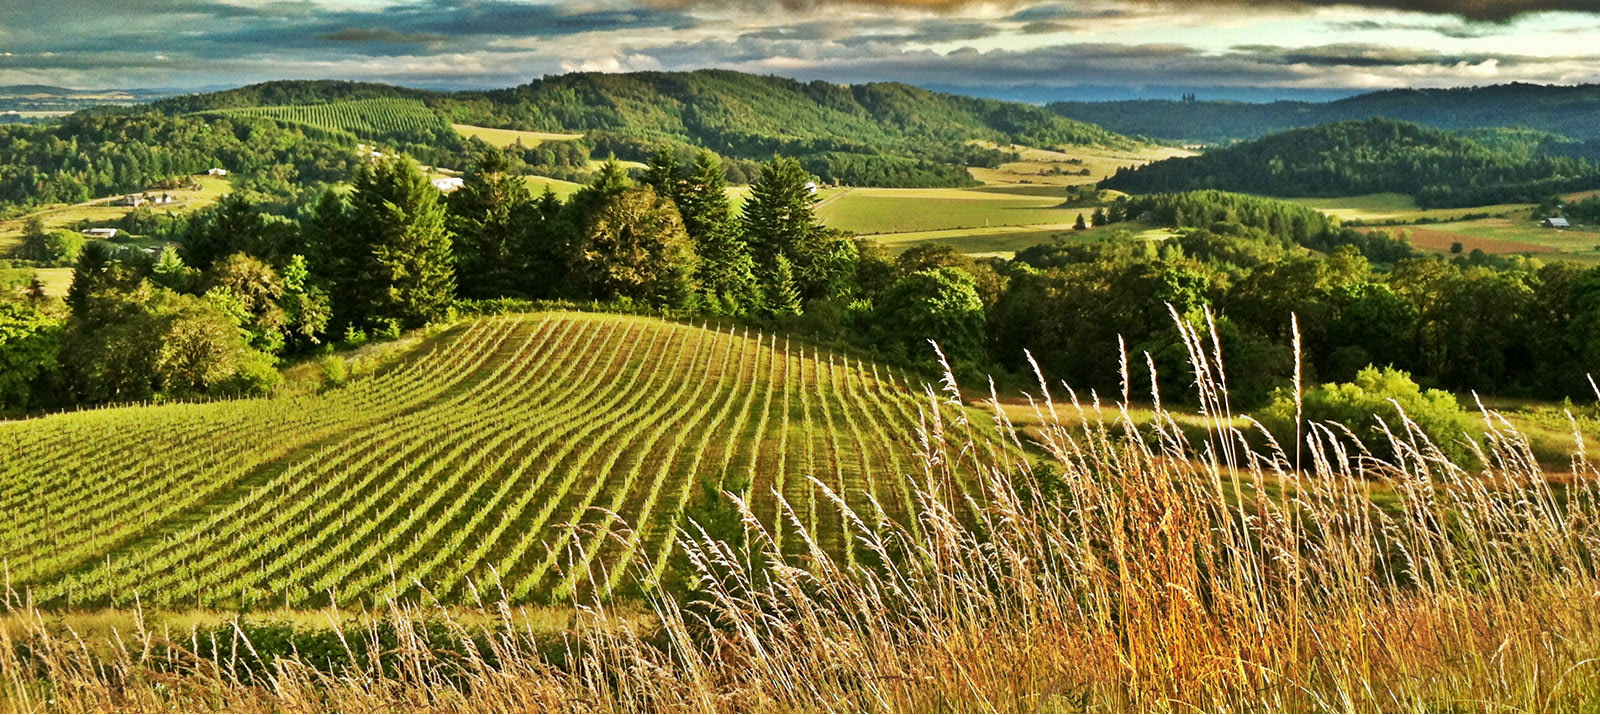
{"x": 100, "y": 232}
{"x": 448, "y": 184}
{"x": 163, "y": 199}
{"x": 217, "y": 171}
{"x": 1557, "y": 222}
{"x": 130, "y": 200}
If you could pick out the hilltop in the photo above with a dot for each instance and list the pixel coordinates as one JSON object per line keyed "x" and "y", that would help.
{"x": 1565, "y": 110}
{"x": 867, "y": 134}
{"x": 1439, "y": 168}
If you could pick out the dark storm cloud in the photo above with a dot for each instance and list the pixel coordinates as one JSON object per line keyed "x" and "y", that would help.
{"x": 1370, "y": 56}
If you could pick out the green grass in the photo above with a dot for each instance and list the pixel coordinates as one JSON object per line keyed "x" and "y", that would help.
{"x": 1379, "y": 208}
{"x": 563, "y": 189}
{"x": 509, "y": 137}
{"x": 877, "y": 211}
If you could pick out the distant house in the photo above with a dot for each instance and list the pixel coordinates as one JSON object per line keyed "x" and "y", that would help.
{"x": 130, "y": 200}
{"x": 100, "y": 232}
{"x": 448, "y": 184}
{"x": 1557, "y": 222}
{"x": 217, "y": 171}
{"x": 163, "y": 199}
{"x": 812, "y": 187}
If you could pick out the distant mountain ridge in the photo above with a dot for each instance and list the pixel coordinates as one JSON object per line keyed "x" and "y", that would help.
{"x": 1571, "y": 111}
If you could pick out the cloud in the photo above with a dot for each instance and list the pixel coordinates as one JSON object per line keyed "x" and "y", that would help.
{"x": 1491, "y": 10}
{"x": 359, "y": 35}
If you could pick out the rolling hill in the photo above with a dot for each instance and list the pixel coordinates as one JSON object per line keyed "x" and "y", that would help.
{"x": 464, "y": 463}
{"x": 1438, "y": 168}
{"x": 868, "y": 134}
{"x": 1566, "y": 110}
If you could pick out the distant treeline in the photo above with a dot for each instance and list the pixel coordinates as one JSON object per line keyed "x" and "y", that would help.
{"x": 1439, "y": 168}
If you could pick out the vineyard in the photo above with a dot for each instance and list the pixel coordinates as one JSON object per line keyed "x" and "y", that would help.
{"x": 365, "y": 118}
{"x": 546, "y": 456}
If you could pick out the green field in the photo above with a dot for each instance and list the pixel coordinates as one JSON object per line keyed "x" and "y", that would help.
{"x": 367, "y": 118}
{"x": 1062, "y": 166}
{"x": 510, "y": 137}
{"x": 874, "y": 211}
{"x": 464, "y": 462}
{"x": 1380, "y": 208}
{"x": 1006, "y": 241}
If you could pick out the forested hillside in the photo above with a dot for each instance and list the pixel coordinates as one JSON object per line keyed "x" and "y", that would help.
{"x": 872, "y": 134}
{"x": 1568, "y": 111}
{"x": 92, "y": 155}
{"x": 1439, "y": 168}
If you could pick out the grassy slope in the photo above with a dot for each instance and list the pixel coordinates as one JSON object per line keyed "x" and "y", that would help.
{"x": 462, "y": 463}
{"x": 509, "y": 137}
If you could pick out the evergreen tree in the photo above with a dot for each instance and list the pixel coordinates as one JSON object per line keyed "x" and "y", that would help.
{"x": 232, "y": 225}
{"x": 1080, "y": 224}
{"x": 727, "y": 273}
{"x": 780, "y": 215}
{"x": 634, "y": 246}
{"x": 664, "y": 174}
{"x": 488, "y": 215}
{"x": 783, "y": 296}
{"x": 1099, "y": 218}
{"x": 397, "y": 218}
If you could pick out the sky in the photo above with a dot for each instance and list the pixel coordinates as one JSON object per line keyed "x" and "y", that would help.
{"x": 983, "y": 47}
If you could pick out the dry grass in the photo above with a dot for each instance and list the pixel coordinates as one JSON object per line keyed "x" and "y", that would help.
{"x": 1124, "y": 577}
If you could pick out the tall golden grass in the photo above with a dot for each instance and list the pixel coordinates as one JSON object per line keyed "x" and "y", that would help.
{"x": 1141, "y": 571}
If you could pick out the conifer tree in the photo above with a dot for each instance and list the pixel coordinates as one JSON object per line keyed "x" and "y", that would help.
{"x": 783, "y": 296}
{"x": 488, "y": 215}
{"x": 397, "y": 218}
{"x": 727, "y": 274}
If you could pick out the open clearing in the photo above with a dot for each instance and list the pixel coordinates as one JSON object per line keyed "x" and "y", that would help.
{"x": 1065, "y": 166}
{"x": 876, "y": 211}
{"x": 465, "y": 463}
{"x": 508, "y": 137}
{"x": 101, "y": 212}
{"x": 1400, "y": 208}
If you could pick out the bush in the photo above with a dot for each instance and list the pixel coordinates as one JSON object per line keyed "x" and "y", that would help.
{"x": 1373, "y": 396}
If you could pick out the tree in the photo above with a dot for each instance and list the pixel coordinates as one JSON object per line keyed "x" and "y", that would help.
{"x": 1080, "y": 224}
{"x": 29, "y": 343}
{"x": 727, "y": 274}
{"x": 257, "y": 290}
{"x": 942, "y": 305}
{"x": 1455, "y": 247}
{"x": 232, "y": 225}
{"x": 46, "y": 246}
{"x": 664, "y": 174}
{"x": 1099, "y": 218}
{"x": 780, "y": 214}
{"x": 171, "y": 272}
{"x": 489, "y": 216}
{"x": 401, "y": 260}
{"x": 783, "y": 298}
{"x": 306, "y": 307}
{"x": 633, "y": 245}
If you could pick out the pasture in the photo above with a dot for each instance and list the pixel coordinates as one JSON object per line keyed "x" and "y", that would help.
{"x": 503, "y": 138}
{"x": 1400, "y": 208}
{"x": 1006, "y": 241}
{"x": 545, "y": 455}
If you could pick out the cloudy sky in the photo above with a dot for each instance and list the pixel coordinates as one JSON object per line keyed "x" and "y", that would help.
{"x": 1283, "y": 44}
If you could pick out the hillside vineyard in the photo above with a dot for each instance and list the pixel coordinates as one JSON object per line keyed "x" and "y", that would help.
{"x": 468, "y": 464}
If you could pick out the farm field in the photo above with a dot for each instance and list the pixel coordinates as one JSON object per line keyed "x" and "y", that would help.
{"x": 503, "y": 138}
{"x": 464, "y": 463}
{"x": 1400, "y": 208}
{"x": 366, "y": 118}
{"x": 1505, "y": 236}
{"x": 879, "y": 211}
{"x": 1040, "y": 166}
{"x": 1006, "y": 241}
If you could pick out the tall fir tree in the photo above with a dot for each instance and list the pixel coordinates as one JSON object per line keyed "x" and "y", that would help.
{"x": 780, "y": 214}
{"x": 397, "y": 217}
{"x": 727, "y": 274}
{"x": 488, "y": 216}
{"x": 783, "y": 296}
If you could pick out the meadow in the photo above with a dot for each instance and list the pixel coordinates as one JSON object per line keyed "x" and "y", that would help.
{"x": 503, "y": 138}
{"x": 506, "y": 454}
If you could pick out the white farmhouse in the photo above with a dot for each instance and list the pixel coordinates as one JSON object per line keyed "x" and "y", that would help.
{"x": 448, "y": 184}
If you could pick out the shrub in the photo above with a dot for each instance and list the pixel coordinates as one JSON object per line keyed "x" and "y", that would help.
{"x": 1369, "y": 404}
